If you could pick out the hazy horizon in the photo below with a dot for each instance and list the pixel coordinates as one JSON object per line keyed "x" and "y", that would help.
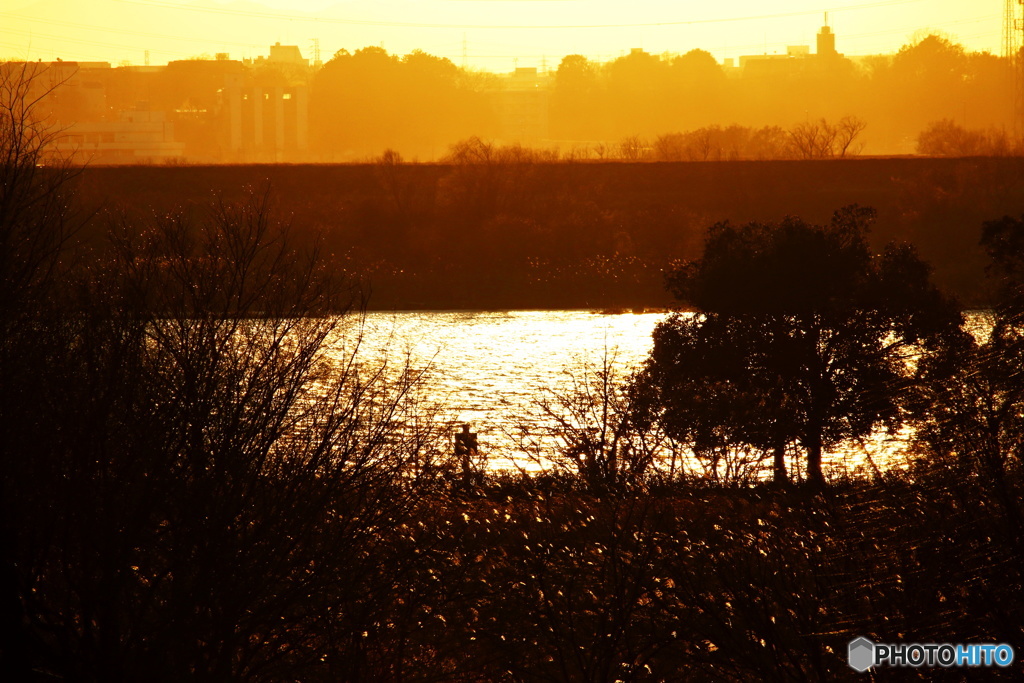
{"x": 491, "y": 35}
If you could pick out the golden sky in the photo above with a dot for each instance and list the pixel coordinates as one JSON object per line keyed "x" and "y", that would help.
{"x": 496, "y": 35}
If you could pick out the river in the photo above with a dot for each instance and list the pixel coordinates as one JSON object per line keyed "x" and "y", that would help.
{"x": 489, "y": 368}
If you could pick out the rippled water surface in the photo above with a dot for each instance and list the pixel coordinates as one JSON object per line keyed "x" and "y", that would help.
{"x": 485, "y": 362}
{"x": 490, "y": 367}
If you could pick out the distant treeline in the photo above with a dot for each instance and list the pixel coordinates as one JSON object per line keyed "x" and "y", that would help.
{"x": 361, "y": 103}
{"x": 500, "y": 227}
{"x": 369, "y": 100}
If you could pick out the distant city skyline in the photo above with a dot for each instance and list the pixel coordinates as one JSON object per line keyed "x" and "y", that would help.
{"x": 492, "y": 35}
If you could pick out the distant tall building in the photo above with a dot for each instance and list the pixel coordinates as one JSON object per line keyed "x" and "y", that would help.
{"x": 826, "y": 41}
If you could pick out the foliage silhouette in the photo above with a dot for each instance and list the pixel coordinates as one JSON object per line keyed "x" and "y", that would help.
{"x": 367, "y": 101}
{"x": 36, "y": 191}
{"x": 973, "y": 391}
{"x": 801, "y": 336}
{"x": 825, "y": 140}
{"x": 594, "y": 436}
{"x": 36, "y": 223}
{"x": 188, "y": 423}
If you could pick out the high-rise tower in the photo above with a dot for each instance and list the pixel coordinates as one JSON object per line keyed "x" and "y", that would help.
{"x": 826, "y": 40}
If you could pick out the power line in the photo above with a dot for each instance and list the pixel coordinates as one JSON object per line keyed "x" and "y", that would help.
{"x": 192, "y": 39}
{"x": 399, "y": 24}
{"x": 450, "y": 53}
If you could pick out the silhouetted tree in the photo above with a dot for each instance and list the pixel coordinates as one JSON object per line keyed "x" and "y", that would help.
{"x": 1003, "y": 241}
{"x": 971, "y": 423}
{"x": 770, "y": 142}
{"x": 669, "y": 147}
{"x": 369, "y": 100}
{"x": 577, "y": 112}
{"x": 632, "y": 148}
{"x": 698, "y": 68}
{"x": 35, "y": 192}
{"x": 698, "y": 383}
{"x": 932, "y": 78}
{"x": 825, "y": 140}
{"x": 848, "y": 129}
{"x": 802, "y": 336}
{"x": 933, "y": 58}
{"x": 37, "y": 219}
{"x": 593, "y": 434}
{"x": 699, "y": 86}
{"x": 638, "y": 87}
{"x": 714, "y": 143}
{"x": 972, "y": 420}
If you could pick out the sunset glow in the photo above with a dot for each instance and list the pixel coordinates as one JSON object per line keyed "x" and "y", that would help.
{"x": 493, "y": 35}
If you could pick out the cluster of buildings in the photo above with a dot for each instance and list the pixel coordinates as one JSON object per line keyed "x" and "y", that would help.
{"x": 202, "y": 110}
{"x": 756, "y": 65}
{"x": 222, "y": 110}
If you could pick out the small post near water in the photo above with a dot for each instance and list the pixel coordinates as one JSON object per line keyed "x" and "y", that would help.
{"x": 466, "y": 449}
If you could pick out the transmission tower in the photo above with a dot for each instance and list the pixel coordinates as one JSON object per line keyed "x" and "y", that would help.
{"x": 316, "y": 53}
{"x": 1012, "y": 29}
{"x": 1010, "y": 42}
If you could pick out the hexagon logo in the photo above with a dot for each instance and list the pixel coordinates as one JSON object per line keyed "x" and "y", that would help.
{"x": 862, "y": 654}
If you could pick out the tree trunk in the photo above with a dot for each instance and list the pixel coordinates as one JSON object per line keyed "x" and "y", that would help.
{"x": 779, "y": 465}
{"x": 814, "y": 474}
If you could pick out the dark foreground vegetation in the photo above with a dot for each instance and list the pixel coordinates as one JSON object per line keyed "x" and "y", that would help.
{"x": 501, "y": 228}
{"x": 195, "y": 486}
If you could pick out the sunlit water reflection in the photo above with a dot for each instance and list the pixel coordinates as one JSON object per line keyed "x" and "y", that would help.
{"x": 489, "y": 368}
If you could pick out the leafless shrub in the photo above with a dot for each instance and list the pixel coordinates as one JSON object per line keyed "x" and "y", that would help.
{"x": 593, "y": 435}
{"x": 848, "y": 130}
{"x": 824, "y": 140}
{"x": 669, "y": 147}
{"x": 632, "y": 148}
{"x": 36, "y": 188}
